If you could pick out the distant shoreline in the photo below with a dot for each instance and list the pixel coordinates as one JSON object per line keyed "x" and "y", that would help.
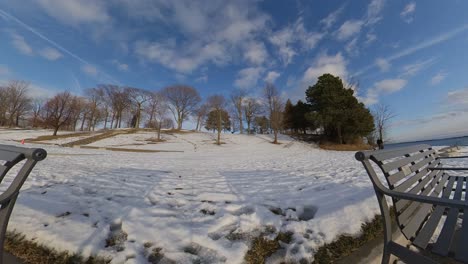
{"x": 450, "y": 141}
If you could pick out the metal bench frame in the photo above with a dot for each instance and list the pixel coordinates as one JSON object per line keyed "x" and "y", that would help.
{"x": 12, "y": 156}
{"x": 422, "y": 192}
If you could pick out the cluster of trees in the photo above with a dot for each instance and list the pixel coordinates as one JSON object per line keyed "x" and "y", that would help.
{"x": 113, "y": 106}
{"x": 329, "y": 109}
{"x": 333, "y": 111}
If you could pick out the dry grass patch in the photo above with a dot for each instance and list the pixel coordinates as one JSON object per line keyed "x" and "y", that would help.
{"x": 262, "y": 247}
{"x": 49, "y": 137}
{"x": 344, "y": 147}
{"x": 33, "y": 253}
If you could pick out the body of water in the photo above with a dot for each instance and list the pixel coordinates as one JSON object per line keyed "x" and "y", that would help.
{"x": 456, "y": 141}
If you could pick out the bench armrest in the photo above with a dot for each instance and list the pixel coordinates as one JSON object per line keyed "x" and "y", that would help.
{"x": 425, "y": 199}
{"x": 448, "y": 168}
{"x": 453, "y": 157}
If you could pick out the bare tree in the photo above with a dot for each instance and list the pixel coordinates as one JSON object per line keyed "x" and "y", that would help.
{"x": 182, "y": 101}
{"x": 95, "y": 98}
{"x": 237, "y": 98}
{"x": 59, "y": 110}
{"x": 157, "y": 109}
{"x": 382, "y": 115}
{"x": 216, "y": 103}
{"x": 275, "y": 107}
{"x": 18, "y": 101}
{"x": 138, "y": 98}
{"x": 119, "y": 101}
{"x": 201, "y": 113}
{"x": 37, "y": 107}
{"x": 251, "y": 109}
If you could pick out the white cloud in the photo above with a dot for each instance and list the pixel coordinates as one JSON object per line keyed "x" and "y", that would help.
{"x": 383, "y": 64}
{"x": 20, "y": 44}
{"x": 203, "y": 78}
{"x": 211, "y": 33}
{"x": 50, "y": 54}
{"x": 413, "y": 69}
{"x": 458, "y": 97}
{"x": 75, "y": 12}
{"x": 370, "y": 37}
{"x": 90, "y": 70}
{"x": 248, "y": 77}
{"x": 390, "y": 85}
{"x": 386, "y": 86}
{"x": 373, "y": 11}
{"x": 181, "y": 60}
{"x": 324, "y": 63}
{"x": 4, "y": 70}
{"x": 408, "y": 12}
{"x": 348, "y": 29}
{"x": 272, "y": 76}
{"x": 438, "y": 78}
{"x": 120, "y": 66}
{"x": 331, "y": 19}
{"x": 352, "y": 48}
{"x": 423, "y": 44}
{"x": 293, "y": 38}
{"x": 256, "y": 53}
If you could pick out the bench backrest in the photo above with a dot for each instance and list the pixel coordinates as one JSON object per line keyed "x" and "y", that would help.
{"x": 407, "y": 170}
{"x": 9, "y": 157}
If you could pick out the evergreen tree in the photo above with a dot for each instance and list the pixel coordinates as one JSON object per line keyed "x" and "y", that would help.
{"x": 342, "y": 117}
{"x": 212, "y": 121}
{"x": 288, "y": 118}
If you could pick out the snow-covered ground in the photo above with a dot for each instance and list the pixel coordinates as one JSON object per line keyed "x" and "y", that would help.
{"x": 201, "y": 204}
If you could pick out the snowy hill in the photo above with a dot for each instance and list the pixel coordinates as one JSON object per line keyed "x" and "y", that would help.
{"x": 191, "y": 204}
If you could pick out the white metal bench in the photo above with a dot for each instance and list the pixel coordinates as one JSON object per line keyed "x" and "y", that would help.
{"x": 424, "y": 198}
{"x": 9, "y": 157}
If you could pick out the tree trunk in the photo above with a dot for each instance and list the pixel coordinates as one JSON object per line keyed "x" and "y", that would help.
{"x": 248, "y": 127}
{"x": 159, "y": 130}
{"x": 275, "y": 132}
{"x": 219, "y": 127}
{"x": 179, "y": 121}
{"x": 137, "y": 123}
{"x": 241, "y": 124}
{"x": 55, "y": 131}
{"x": 338, "y": 133}
{"x": 82, "y": 122}
{"x": 198, "y": 123}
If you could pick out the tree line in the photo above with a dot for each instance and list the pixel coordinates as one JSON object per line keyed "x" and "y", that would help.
{"x": 329, "y": 109}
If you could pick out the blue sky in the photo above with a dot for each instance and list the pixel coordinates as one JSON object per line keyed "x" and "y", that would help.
{"x": 410, "y": 55}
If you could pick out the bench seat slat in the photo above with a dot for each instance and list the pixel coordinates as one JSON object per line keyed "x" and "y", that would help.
{"x": 406, "y": 213}
{"x": 415, "y": 220}
{"x": 398, "y": 176}
{"x": 425, "y": 234}
{"x": 409, "y": 182}
{"x": 415, "y": 190}
{"x": 461, "y": 252}
{"x": 402, "y": 162}
{"x": 444, "y": 241}
{"x": 392, "y": 153}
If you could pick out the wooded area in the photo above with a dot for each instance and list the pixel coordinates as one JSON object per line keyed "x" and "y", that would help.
{"x": 330, "y": 109}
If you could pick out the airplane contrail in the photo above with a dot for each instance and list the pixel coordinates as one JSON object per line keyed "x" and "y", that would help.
{"x": 4, "y": 14}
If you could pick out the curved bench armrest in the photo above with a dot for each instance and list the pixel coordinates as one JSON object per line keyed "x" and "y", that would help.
{"x": 453, "y": 157}
{"x": 448, "y": 168}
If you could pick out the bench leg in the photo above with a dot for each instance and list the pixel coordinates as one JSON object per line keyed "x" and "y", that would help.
{"x": 387, "y": 224}
{"x": 5, "y": 213}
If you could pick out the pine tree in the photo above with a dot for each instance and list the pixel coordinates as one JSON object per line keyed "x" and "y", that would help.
{"x": 342, "y": 117}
